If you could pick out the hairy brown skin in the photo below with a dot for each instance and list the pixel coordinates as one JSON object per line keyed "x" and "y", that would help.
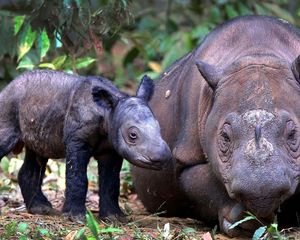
{"x": 232, "y": 123}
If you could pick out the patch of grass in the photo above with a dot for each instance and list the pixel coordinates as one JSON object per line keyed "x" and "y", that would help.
{"x": 265, "y": 231}
{"x": 23, "y": 231}
{"x": 95, "y": 232}
{"x": 126, "y": 180}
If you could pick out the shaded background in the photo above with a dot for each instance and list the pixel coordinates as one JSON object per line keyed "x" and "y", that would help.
{"x": 119, "y": 39}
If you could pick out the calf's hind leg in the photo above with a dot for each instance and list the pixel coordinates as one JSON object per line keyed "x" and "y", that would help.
{"x": 30, "y": 179}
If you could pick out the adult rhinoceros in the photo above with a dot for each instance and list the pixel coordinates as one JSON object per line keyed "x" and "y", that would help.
{"x": 230, "y": 112}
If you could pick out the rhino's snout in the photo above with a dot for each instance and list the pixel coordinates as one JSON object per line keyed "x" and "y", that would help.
{"x": 162, "y": 156}
{"x": 159, "y": 156}
{"x": 155, "y": 157}
{"x": 262, "y": 195}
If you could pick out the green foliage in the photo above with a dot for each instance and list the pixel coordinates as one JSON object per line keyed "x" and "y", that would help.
{"x": 26, "y": 41}
{"x": 92, "y": 224}
{"x": 126, "y": 180}
{"x": 57, "y": 34}
{"x": 246, "y": 219}
{"x": 162, "y": 36}
{"x": 71, "y": 34}
{"x": 97, "y": 233}
{"x": 23, "y": 231}
{"x": 19, "y": 20}
{"x": 259, "y": 233}
{"x": 43, "y": 44}
{"x": 263, "y": 232}
{"x": 4, "y": 164}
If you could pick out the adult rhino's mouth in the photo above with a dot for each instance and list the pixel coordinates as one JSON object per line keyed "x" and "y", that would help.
{"x": 263, "y": 207}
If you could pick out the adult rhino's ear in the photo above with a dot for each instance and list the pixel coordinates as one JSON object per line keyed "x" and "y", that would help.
{"x": 145, "y": 89}
{"x": 104, "y": 98}
{"x": 296, "y": 68}
{"x": 210, "y": 73}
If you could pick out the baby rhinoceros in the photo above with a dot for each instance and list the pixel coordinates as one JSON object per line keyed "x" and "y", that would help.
{"x": 59, "y": 115}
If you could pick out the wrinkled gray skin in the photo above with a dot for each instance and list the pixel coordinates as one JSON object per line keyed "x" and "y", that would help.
{"x": 58, "y": 115}
{"x": 230, "y": 112}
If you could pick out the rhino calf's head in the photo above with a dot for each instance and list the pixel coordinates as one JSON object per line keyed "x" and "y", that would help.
{"x": 132, "y": 128}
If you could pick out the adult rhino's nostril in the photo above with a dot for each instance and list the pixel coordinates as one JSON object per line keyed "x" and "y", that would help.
{"x": 257, "y": 135}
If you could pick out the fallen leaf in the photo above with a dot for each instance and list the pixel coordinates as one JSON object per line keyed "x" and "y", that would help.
{"x": 71, "y": 235}
{"x": 206, "y": 236}
{"x": 155, "y": 66}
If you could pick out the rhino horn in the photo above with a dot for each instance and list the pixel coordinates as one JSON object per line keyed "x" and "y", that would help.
{"x": 210, "y": 73}
{"x": 296, "y": 68}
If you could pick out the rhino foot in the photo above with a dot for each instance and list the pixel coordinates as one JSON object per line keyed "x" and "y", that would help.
{"x": 78, "y": 218}
{"x": 115, "y": 218}
{"x": 43, "y": 210}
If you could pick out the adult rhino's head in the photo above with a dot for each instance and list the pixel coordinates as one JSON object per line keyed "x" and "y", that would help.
{"x": 252, "y": 132}
{"x": 132, "y": 128}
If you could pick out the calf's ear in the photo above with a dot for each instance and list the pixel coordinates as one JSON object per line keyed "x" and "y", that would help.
{"x": 145, "y": 89}
{"x": 104, "y": 98}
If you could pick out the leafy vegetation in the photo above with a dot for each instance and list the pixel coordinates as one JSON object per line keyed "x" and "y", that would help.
{"x": 121, "y": 40}
{"x": 22, "y": 231}
{"x": 59, "y": 35}
{"x": 264, "y": 232}
{"x": 118, "y": 39}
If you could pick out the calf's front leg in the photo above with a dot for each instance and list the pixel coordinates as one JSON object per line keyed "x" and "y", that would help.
{"x": 78, "y": 154}
{"x": 109, "y": 167}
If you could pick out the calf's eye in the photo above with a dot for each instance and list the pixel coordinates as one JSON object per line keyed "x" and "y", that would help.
{"x": 132, "y": 135}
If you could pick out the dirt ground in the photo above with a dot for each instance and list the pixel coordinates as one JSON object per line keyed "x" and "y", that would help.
{"x": 148, "y": 226}
{"x": 142, "y": 225}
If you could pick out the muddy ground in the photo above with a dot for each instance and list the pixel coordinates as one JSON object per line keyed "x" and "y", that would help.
{"x": 142, "y": 225}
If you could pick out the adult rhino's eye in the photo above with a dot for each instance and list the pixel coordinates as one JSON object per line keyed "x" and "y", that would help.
{"x": 292, "y": 138}
{"x": 225, "y": 137}
{"x": 225, "y": 142}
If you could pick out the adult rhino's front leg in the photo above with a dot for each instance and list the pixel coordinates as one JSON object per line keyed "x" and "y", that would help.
{"x": 212, "y": 201}
{"x": 78, "y": 154}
